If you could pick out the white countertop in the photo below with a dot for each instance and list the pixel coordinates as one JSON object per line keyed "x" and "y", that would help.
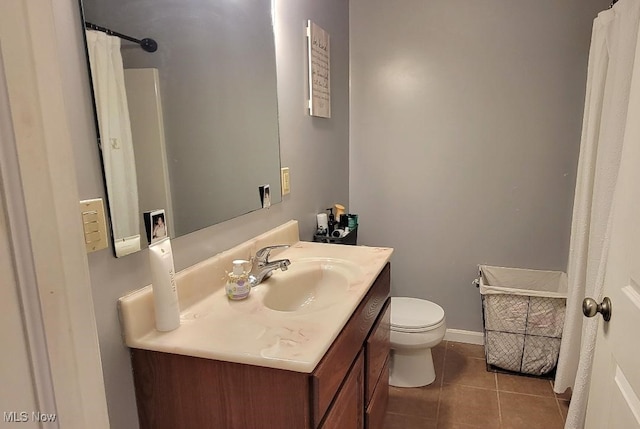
{"x": 247, "y": 331}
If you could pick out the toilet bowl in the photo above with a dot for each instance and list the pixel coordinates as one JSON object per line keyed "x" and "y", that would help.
{"x": 417, "y": 325}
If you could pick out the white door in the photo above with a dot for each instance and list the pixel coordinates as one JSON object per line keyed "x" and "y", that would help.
{"x": 614, "y": 396}
{"x": 17, "y": 394}
{"x": 18, "y": 388}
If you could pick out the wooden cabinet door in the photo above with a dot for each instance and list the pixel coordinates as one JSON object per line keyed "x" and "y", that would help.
{"x": 347, "y": 411}
{"x": 334, "y": 366}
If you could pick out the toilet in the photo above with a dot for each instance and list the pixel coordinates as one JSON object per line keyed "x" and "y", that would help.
{"x": 417, "y": 325}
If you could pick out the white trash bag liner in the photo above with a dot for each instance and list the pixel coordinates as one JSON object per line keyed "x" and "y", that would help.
{"x": 518, "y": 281}
{"x": 524, "y": 314}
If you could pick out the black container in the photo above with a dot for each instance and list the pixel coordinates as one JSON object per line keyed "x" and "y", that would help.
{"x": 350, "y": 239}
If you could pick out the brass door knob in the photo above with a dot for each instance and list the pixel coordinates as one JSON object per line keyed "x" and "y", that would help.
{"x": 590, "y": 308}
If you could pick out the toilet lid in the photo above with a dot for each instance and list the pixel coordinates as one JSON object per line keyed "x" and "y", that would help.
{"x": 412, "y": 313}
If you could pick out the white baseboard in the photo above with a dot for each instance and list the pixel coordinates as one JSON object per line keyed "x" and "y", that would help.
{"x": 461, "y": 336}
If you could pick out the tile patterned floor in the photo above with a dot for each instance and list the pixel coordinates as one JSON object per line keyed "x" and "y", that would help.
{"x": 466, "y": 396}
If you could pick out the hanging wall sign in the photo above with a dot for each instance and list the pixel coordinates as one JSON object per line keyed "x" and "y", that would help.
{"x": 319, "y": 71}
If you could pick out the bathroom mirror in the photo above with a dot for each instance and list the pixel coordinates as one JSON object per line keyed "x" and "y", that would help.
{"x": 202, "y": 112}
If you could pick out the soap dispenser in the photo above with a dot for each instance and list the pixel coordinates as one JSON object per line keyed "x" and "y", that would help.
{"x": 238, "y": 286}
{"x": 332, "y": 221}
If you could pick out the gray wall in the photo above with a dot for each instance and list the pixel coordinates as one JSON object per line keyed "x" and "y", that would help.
{"x": 315, "y": 149}
{"x": 465, "y": 131}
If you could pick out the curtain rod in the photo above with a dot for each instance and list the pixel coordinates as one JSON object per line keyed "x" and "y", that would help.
{"x": 147, "y": 44}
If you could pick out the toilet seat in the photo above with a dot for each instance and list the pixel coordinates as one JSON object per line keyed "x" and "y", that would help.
{"x": 416, "y": 330}
{"x": 415, "y": 315}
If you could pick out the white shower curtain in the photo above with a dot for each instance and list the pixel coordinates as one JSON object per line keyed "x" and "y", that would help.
{"x": 613, "y": 46}
{"x": 114, "y": 124}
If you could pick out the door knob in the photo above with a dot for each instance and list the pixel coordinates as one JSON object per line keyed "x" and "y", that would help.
{"x": 590, "y": 308}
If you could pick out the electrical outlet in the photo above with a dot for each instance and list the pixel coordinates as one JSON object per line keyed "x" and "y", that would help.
{"x": 94, "y": 225}
{"x": 286, "y": 181}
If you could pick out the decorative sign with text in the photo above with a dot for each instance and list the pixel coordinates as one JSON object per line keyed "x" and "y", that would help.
{"x": 319, "y": 71}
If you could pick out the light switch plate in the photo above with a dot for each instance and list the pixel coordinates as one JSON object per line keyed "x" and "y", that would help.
{"x": 286, "y": 181}
{"x": 94, "y": 224}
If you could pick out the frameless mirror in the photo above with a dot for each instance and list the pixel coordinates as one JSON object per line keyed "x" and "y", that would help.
{"x": 202, "y": 111}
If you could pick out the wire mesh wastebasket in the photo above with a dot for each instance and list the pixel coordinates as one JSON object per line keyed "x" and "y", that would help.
{"x": 523, "y": 314}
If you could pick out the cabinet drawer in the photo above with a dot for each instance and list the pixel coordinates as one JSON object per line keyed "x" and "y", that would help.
{"x": 377, "y": 409}
{"x": 332, "y": 369}
{"x": 377, "y": 350}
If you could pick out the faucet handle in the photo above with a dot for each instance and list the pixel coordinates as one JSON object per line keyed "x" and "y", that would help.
{"x": 262, "y": 255}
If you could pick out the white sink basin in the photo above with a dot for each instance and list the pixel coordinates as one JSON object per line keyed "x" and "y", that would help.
{"x": 309, "y": 284}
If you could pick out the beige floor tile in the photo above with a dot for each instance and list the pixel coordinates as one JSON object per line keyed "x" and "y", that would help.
{"x": 529, "y": 412}
{"x": 522, "y": 384}
{"x": 462, "y": 405}
{"x": 467, "y": 371}
{"x": 451, "y": 425}
{"x": 471, "y": 350}
{"x": 414, "y": 401}
{"x": 564, "y": 408}
{"x": 399, "y": 421}
{"x": 464, "y": 396}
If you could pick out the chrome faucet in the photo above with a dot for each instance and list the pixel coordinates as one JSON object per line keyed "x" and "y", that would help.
{"x": 261, "y": 266}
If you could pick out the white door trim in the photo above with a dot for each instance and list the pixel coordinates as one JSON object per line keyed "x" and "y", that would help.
{"x": 11, "y": 192}
{"x": 49, "y": 188}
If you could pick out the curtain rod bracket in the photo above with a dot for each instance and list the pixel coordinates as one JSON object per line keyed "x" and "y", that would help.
{"x": 149, "y": 45}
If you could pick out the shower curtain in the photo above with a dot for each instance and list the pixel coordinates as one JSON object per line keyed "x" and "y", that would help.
{"x": 611, "y": 58}
{"x": 114, "y": 124}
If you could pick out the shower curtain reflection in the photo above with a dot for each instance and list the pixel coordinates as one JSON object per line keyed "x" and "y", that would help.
{"x": 114, "y": 126}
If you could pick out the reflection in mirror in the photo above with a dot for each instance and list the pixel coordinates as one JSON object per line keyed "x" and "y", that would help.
{"x": 191, "y": 128}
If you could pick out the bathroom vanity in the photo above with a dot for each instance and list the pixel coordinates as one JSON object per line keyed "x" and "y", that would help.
{"x": 309, "y": 348}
